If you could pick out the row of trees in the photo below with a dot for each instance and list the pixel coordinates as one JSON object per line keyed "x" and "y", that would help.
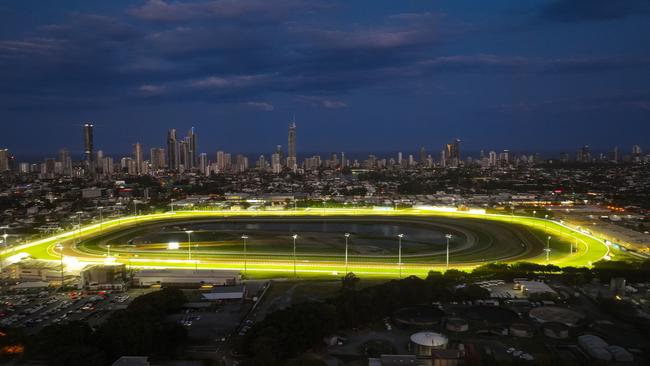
{"x": 289, "y": 332}
{"x": 139, "y": 330}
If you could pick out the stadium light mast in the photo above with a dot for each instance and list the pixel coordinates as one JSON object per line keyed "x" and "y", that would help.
{"x": 4, "y": 244}
{"x": 101, "y": 217}
{"x": 347, "y": 236}
{"x": 548, "y": 248}
{"x": 295, "y": 273}
{"x": 448, "y": 237}
{"x": 189, "y": 247}
{"x": 399, "y": 254}
{"x": 244, "y": 237}
{"x": 60, "y": 248}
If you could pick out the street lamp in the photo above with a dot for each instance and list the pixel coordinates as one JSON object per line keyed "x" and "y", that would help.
{"x": 347, "y": 236}
{"x": 189, "y": 247}
{"x": 5, "y": 236}
{"x": 399, "y": 254}
{"x": 294, "y": 236}
{"x": 4, "y": 243}
{"x": 534, "y": 213}
{"x": 548, "y": 248}
{"x": 60, "y": 248}
{"x": 108, "y": 247}
{"x": 79, "y": 213}
{"x": 448, "y": 237}
{"x": 101, "y": 217}
{"x": 244, "y": 237}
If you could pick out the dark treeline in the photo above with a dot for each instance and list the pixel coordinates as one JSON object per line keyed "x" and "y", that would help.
{"x": 139, "y": 330}
{"x": 286, "y": 333}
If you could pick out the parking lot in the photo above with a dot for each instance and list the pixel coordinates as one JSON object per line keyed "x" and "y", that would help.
{"x": 37, "y": 309}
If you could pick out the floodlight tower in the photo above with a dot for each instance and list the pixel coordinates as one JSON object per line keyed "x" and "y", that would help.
{"x": 448, "y": 237}
{"x": 295, "y": 274}
{"x": 347, "y": 236}
{"x": 244, "y": 237}
{"x": 189, "y": 247}
{"x": 399, "y": 254}
{"x": 59, "y": 246}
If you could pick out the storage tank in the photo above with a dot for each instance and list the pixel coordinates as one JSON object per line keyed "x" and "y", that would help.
{"x": 423, "y": 343}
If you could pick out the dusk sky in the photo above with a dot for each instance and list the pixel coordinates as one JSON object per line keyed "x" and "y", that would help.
{"x": 358, "y": 75}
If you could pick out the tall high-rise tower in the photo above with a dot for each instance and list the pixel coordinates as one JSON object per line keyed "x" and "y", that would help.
{"x": 172, "y": 150}
{"x": 191, "y": 147}
{"x": 138, "y": 157}
{"x": 292, "y": 162}
{"x": 88, "y": 146}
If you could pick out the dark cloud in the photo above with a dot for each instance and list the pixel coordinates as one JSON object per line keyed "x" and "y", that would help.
{"x": 252, "y": 10}
{"x": 323, "y": 102}
{"x": 495, "y": 63}
{"x": 593, "y": 10}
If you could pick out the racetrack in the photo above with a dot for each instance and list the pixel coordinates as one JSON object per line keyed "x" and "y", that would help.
{"x": 373, "y": 249}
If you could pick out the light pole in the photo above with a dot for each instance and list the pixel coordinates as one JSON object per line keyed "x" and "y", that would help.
{"x": 448, "y": 237}
{"x": 244, "y": 237}
{"x": 79, "y": 225}
{"x": 295, "y": 274}
{"x": 108, "y": 247}
{"x": 545, "y": 222}
{"x": 399, "y": 254}
{"x": 101, "y": 218}
{"x": 534, "y": 213}
{"x": 548, "y": 248}
{"x": 347, "y": 236}
{"x": 135, "y": 207}
{"x": 4, "y": 243}
{"x": 189, "y": 248}
{"x": 60, "y": 248}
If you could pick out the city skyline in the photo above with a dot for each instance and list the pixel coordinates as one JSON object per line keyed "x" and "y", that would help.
{"x": 543, "y": 74}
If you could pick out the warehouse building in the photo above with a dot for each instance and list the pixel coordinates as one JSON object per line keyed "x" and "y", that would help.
{"x": 186, "y": 278}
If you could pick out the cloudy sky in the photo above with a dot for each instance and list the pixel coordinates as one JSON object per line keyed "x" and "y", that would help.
{"x": 358, "y": 75}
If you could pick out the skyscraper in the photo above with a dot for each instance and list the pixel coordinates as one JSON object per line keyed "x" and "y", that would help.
{"x": 88, "y": 146}
{"x": 172, "y": 150}
{"x": 423, "y": 156}
{"x": 276, "y": 165}
{"x": 452, "y": 153}
{"x": 292, "y": 162}
{"x": 66, "y": 162}
{"x": 184, "y": 154}
{"x": 191, "y": 147}
{"x": 157, "y": 158}
{"x": 138, "y": 157}
{"x": 203, "y": 164}
{"x": 4, "y": 160}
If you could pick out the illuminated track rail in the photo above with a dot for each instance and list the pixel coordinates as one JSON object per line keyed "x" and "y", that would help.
{"x": 591, "y": 248}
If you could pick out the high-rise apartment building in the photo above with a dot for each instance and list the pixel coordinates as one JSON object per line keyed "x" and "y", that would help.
{"x": 157, "y": 158}
{"x": 292, "y": 162}
{"x": 89, "y": 147}
{"x": 173, "y": 157}
{"x": 138, "y": 158}
{"x": 4, "y": 160}
{"x": 192, "y": 158}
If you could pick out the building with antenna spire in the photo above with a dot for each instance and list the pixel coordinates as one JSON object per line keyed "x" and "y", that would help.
{"x": 292, "y": 162}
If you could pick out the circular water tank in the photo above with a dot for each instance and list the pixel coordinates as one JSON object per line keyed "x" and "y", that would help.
{"x": 424, "y": 343}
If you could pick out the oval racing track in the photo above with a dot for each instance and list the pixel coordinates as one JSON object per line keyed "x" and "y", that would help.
{"x": 488, "y": 238}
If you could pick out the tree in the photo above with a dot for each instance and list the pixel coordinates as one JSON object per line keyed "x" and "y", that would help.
{"x": 349, "y": 282}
